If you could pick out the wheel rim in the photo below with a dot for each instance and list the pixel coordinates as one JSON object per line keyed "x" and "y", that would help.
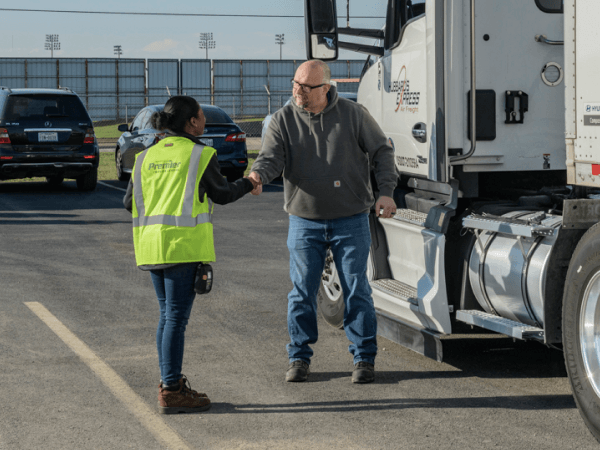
{"x": 331, "y": 281}
{"x": 589, "y": 331}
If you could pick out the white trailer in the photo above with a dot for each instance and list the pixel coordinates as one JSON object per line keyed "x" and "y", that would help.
{"x": 498, "y": 225}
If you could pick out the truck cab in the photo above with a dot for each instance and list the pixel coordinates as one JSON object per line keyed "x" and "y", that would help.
{"x": 497, "y": 190}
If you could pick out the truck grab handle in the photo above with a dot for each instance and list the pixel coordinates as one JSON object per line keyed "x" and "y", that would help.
{"x": 454, "y": 159}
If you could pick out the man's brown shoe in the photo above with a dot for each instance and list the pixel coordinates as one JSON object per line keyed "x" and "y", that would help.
{"x": 183, "y": 400}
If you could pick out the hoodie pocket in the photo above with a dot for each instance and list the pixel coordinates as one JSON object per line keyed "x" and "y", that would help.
{"x": 327, "y": 197}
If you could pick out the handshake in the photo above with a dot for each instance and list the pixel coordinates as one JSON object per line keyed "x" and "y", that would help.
{"x": 256, "y": 183}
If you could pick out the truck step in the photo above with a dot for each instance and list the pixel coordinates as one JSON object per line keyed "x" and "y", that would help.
{"x": 498, "y": 324}
{"x": 411, "y": 216}
{"x": 397, "y": 289}
{"x": 507, "y": 225}
{"x": 415, "y": 337}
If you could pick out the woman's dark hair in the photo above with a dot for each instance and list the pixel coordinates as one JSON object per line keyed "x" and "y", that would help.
{"x": 177, "y": 112}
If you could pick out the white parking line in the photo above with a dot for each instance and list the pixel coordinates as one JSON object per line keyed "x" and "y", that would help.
{"x": 110, "y": 186}
{"x": 148, "y": 418}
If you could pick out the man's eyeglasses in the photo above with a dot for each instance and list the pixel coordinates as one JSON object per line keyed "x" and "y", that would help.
{"x": 305, "y": 87}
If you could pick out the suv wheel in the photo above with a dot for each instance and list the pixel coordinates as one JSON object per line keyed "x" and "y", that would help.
{"x": 55, "y": 181}
{"x": 121, "y": 176}
{"x": 88, "y": 181}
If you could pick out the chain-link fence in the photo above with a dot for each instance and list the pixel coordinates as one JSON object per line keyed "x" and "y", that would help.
{"x": 114, "y": 90}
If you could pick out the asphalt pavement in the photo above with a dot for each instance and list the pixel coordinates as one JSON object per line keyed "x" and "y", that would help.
{"x": 80, "y": 371}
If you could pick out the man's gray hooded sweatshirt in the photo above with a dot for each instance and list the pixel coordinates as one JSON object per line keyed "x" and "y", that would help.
{"x": 325, "y": 159}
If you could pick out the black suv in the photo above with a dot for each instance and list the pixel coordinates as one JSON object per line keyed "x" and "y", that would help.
{"x": 47, "y": 133}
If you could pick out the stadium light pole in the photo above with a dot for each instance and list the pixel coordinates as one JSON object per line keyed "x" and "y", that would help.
{"x": 118, "y": 51}
{"x": 279, "y": 41}
{"x": 52, "y": 43}
{"x": 206, "y": 42}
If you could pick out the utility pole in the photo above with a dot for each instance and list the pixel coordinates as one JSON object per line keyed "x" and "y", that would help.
{"x": 118, "y": 51}
{"x": 348, "y": 13}
{"x": 279, "y": 41}
{"x": 206, "y": 42}
{"x": 52, "y": 43}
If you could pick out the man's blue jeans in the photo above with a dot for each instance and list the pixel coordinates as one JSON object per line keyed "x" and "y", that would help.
{"x": 350, "y": 240}
{"x": 175, "y": 291}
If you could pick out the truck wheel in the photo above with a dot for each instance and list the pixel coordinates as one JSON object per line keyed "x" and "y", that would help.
{"x": 581, "y": 327}
{"x": 330, "y": 299}
{"x": 88, "y": 181}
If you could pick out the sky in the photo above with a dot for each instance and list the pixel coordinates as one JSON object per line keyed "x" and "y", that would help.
{"x": 23, "y": 34}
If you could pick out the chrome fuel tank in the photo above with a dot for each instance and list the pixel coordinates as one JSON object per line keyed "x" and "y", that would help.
{"x": 509, "y": 264}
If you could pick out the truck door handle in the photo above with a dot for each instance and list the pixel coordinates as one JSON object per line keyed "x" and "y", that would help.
{"x": 419, "y": 132}
{"x": 543, "y": 39}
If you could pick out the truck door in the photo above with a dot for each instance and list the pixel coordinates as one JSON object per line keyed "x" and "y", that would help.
{"x": 405, "y": 90}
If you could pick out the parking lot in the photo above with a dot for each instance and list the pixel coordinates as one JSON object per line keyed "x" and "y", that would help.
{"x": 77, "y": 324}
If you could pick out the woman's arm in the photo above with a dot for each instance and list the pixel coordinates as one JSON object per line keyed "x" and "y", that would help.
{"x": 220, "y": 190}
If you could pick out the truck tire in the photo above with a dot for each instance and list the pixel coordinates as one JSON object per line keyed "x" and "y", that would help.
{"x": 88, "y": 181}
{"x": 581, "y": 327}
{"x": 330, "y": 298}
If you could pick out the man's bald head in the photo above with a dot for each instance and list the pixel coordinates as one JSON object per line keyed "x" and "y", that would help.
{"x": 312, "y": 73}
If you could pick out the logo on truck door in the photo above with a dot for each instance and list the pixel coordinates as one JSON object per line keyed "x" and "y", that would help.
{"x": 406, "y": 100}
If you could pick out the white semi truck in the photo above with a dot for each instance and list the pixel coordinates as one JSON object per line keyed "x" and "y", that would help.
{"x": 498, "y": 224}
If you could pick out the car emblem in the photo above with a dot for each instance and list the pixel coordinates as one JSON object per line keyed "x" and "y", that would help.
{"x": 48, "y": 124}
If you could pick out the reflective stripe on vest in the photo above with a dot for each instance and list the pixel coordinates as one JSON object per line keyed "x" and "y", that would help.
{"x": 185, "y": 219}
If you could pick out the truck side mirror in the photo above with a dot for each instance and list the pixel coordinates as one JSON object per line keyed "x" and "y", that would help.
{"x": 321, "y": 29}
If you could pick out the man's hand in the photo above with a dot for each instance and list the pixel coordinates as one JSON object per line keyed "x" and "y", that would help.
{"x": 385, "y": 207}
{"x": 256, "y": 182}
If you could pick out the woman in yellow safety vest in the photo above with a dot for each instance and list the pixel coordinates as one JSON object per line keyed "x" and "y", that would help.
{"x": 170, "y": 195}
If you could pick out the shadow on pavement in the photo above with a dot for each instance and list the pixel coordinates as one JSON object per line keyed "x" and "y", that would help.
{"x": 526, "y": 402}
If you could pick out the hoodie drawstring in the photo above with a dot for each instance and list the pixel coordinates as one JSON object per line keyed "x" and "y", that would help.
{"x": 310, "y": 123}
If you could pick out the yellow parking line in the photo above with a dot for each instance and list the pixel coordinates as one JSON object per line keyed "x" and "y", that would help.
{"x": 149, "y": 418}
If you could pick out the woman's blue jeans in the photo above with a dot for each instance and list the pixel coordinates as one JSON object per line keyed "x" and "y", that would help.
{"x": 175, "y": 291}
{"x": 350, "y": 240}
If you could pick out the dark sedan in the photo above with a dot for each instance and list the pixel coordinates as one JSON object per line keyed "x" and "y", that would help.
{"x": 220, "y": 132}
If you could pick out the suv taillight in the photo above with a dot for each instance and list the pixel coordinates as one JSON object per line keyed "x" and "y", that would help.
{"x": 236, "y": 137}
{"x": 4, "y": 139}
{"x": 90, "y": 137}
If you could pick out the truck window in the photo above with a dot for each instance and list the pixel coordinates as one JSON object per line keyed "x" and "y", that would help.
{"x": 550, "y": 6}
{"x": 399, "y": 12}
{"x": 415, "y": 8}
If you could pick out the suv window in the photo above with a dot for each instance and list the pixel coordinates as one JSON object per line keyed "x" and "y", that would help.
{"x": 41, "y": 106}
{"x": 137, "y": 122}
{"x": 550, "y": 6}
{"x": 216, "y": 116}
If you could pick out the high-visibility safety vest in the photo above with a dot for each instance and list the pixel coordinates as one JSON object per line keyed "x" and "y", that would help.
{"x": 170, "y": 223}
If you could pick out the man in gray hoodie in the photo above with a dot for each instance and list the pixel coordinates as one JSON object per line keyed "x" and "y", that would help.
{"x": 323, "y": 144}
